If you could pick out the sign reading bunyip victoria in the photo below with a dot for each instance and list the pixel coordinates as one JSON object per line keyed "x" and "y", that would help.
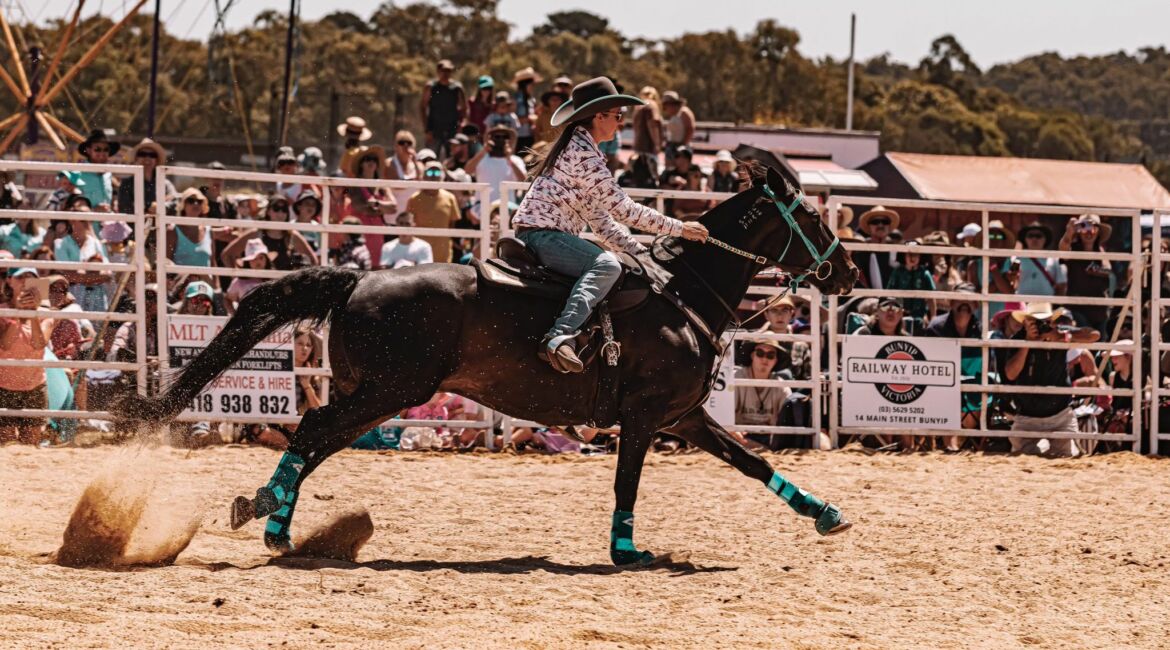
{"x": 900, "y": 383}
{"x": 258, "y": 385}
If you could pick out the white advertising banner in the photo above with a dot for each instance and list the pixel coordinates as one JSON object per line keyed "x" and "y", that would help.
{"x": 721, "y": 402}
{"x": 901, "y": 383}
{"x": 258, "y": 385}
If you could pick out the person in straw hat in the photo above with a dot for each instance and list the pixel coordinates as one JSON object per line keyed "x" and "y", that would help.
{"x": 355, "y": 132}
{"x": 374, "y": 206}
{"x": 525, "y": 107}
{"x": 876, "y": 223}
{"x": 149, "y": 154}
{"x": 1029, "y": 366}
{"x": 1088, "y": 277}
{"x": 573, "y": 189}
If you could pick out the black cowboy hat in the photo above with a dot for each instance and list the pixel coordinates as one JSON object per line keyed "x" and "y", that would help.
{"x": 1038, "y": 227}
{"x": 95, "y": 136}
{"x": 549, "y": 94}
{"x": 590, "y": 98}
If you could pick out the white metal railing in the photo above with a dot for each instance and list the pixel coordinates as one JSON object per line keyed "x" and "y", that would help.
{"x": 136, "y": 266}
{"x": 166, "y": 267}
{"x": 1158, "y": 347}
{"x": 810, "y": 294}
{"x": 987, "y": 253}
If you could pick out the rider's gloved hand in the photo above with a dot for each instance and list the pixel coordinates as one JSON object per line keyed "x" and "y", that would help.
{"x": 694, "y": 231}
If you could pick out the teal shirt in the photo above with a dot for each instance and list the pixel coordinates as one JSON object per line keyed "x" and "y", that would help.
{"x": 14, "y": 240}
{"x": 919, "y": 279}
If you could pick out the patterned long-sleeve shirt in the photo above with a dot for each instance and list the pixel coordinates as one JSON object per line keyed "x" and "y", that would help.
{"x": 580, "y": 191}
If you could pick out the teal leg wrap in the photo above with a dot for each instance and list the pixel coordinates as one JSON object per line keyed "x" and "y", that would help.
{"x": 621, "y": 541}
{"x": 828, "y": 516}
{"x": 282, "y": 487}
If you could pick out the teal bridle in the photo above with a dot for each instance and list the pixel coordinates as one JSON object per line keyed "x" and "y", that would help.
{"x": 820, "y": 267}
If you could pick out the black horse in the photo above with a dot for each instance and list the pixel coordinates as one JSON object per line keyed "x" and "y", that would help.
{"x": 398, "y": 336}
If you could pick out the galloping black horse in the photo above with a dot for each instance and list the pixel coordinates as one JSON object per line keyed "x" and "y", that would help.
{"x": 398, "y": 336}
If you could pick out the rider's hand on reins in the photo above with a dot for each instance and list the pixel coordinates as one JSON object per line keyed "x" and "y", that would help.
{"x": 694, "y": 231}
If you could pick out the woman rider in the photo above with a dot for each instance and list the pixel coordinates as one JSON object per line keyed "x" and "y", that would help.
{"x": 573, "y": 189}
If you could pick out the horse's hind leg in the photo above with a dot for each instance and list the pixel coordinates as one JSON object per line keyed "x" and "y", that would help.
{"x": 701, "y": 430}
{"x": 323, "y": 432}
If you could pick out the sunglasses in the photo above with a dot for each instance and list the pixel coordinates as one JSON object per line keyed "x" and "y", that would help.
{"x": 100, "y": 149}
{"x": 201, "y": 299}
{"x": 996, "y": 236}
{"x": 879, "y": 222}
{"x": 763, "y": 354}
{"x": 191, "y": 200}
{"x": 433, "y": 173}
{"x": 279, "y": 208}
{"x": 890, "y": 307}
{"x": 146, "y": 154}
{"x": 405, "y": 143}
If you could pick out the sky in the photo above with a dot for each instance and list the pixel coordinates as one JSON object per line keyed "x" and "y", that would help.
{"x": 992, "y": 31}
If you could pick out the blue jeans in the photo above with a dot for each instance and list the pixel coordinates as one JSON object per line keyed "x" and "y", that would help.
{"x": 596, "y": 271}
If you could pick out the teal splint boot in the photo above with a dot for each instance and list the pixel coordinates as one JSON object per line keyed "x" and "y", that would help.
{"x": 622, "y": 551}
{"x": 829, "y": 520}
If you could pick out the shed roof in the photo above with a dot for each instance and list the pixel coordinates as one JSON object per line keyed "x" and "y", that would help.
{"x": 1030, "y": 180}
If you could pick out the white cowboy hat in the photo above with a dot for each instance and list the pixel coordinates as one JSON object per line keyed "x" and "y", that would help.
{"x": 253, "y": 249}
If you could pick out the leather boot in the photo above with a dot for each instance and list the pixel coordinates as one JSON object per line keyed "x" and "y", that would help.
{"x": 561, "y": 353}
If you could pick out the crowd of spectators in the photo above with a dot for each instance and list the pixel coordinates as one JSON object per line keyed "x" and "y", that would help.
{"x": 488, "y": 137}
{"x": 1039, "y": 316}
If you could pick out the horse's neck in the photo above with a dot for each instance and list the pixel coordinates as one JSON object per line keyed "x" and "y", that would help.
{"x": 726, "y": 274}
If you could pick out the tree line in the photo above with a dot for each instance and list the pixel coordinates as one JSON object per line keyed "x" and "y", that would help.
{"x": 1106, "y": 108}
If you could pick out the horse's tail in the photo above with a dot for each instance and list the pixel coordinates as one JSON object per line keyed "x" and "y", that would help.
{"x": 308, "y": 294}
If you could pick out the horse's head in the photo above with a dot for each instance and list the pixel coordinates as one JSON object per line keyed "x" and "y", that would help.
{"x": 795, "y": 235}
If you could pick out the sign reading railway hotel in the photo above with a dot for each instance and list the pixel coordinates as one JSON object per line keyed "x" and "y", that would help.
{"x": 901, "y": 383}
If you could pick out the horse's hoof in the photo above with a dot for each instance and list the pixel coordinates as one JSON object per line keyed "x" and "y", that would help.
{"x": 831, "y": 522}
{"x": 631, "y": 558}
{"x": 265, "y": 502}
{"x": 242, "y": 512}
{"x": 277, "y": 543}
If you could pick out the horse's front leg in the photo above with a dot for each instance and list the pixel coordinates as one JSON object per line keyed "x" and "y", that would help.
{"x": 701, "y": 430}
{"x": 633, "y": 443}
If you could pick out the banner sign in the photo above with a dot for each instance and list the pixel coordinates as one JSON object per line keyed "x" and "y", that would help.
{"x": 260, "y": 384}
{"x": 721, "y": 402}
{"x": 901, "y": 383}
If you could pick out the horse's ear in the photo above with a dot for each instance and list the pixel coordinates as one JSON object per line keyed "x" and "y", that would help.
{"x": 778, "y": 184}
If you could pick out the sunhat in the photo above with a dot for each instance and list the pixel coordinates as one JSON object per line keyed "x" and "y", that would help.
{"x": 527, "y": 74}
{"x": 147, "y": 143}
{"x": 1119, "y": 353}
{"x": 879, "y": 211}
{"x": 590, "y": 98}
{"x": 355, "y": 127}
{"x": 372, "y": 151}
{"x": 193, "y": 192}
{"x": 1104, "y": 229}
{"x": 1037, "y": 311}
{"x": 253, "y": 249}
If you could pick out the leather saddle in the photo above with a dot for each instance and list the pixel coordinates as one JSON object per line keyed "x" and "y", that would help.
{"x": 517, "y": 268}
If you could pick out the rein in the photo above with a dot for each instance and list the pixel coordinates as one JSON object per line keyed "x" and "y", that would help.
{"x": 820, "y": 267}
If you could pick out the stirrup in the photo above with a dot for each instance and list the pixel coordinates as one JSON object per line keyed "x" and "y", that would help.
{"x": 560, "y": 353}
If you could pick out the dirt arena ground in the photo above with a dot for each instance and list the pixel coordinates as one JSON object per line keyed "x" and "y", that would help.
{"x": 504, "y": 551}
